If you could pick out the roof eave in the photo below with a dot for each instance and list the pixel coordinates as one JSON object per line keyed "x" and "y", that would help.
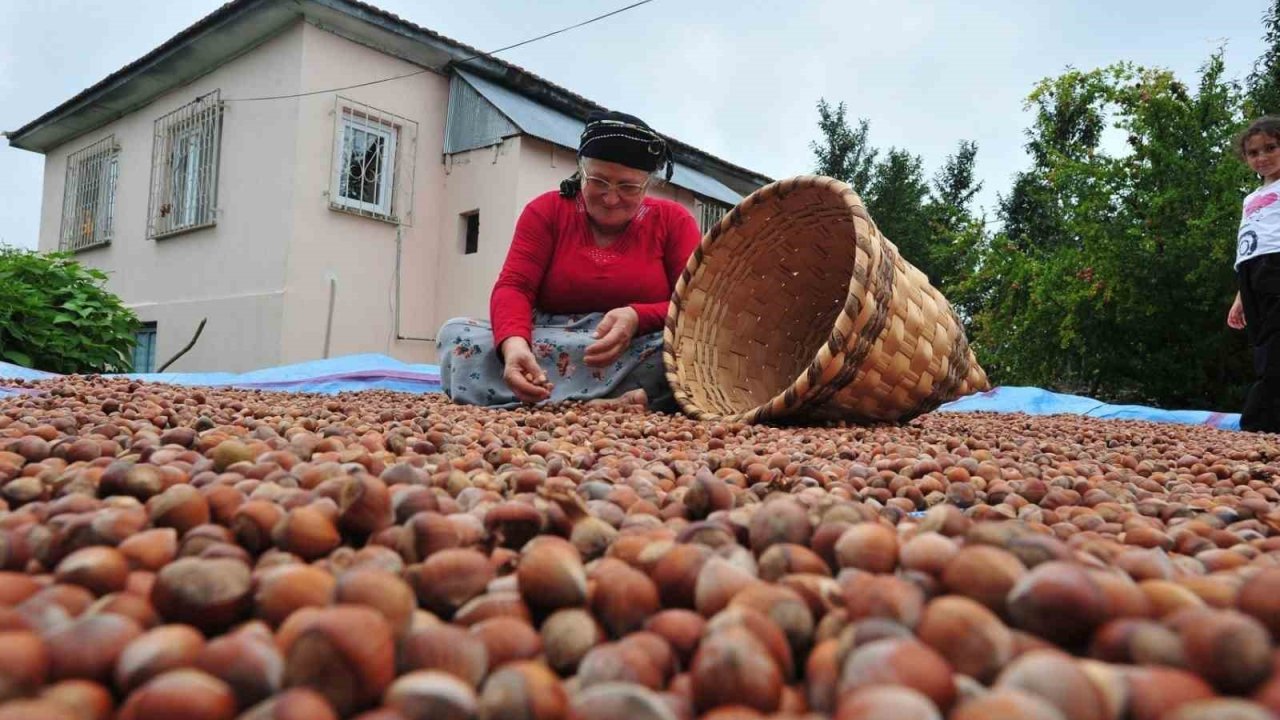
{"x": 229, "y": 31}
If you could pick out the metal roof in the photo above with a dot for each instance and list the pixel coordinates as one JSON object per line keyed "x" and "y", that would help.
{"x": 540, "y": 121}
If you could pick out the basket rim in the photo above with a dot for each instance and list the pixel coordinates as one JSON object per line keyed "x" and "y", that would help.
{"x": 796, "y": 394}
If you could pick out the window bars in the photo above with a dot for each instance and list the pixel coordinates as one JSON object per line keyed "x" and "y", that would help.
{"x": 89, "y": 196}
{"x": 373, "y": 162}
{"x": 709, "y": 213}
{"x": 184, "y": 168}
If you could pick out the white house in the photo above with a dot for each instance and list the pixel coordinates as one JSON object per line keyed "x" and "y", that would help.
{"x": 219, "y": 177}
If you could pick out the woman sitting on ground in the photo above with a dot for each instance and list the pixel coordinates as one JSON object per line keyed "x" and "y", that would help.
{"x": 578, "y": 309}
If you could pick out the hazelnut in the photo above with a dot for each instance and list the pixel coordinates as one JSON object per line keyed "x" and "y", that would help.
{"x": 247, "y": 660}
{"x": 182, "y": 693}
{"x": 868, "y": 546}
{"x": 507, "y": 639}
{"x": 899, "y": 661}
{"x": 618, "y": 662}
{"x": 87, "y": 699}
{"x": 150, "y": 549}
{"x": 24, "y": 664}
{"x": 1058, "y": 601}
{"x": 100, "y": 570}
{"x": 381, "y": 590}
{"x": 984, "y": 573}
{"x": 1154, "y": 692}
{"x": 491, "y": 605}
{"x": 89, "y": 646}
{"x": 432, "y": 695}
{"x": 676, "y": 574}
{"x": 1007, "y": 704}
{"x": 180, "y": 507}
{"x": 606, "y": 701}
{"x": 1229, "y": 649}
{"x": 890, "y": 702}
{"x": 783, "y": 520}
{"x": 680, "y": 628}
{"x": 550, "y": 575}
{"x": 623, "y": 598}
{"x": 306, "y": 531}
{"x": 1057, "y": 678}
{"x": 732, "y": 667}
{"x": 446, "y": 648}
{"x": 968, "y": 635}
{"x": 523, "y": 689}
{"x": 346, "y": 652}
{"x": 449, "y": 578}
{"x": 292, "y": 704}
{"x": 210, "y": 594}
{"x": 159, "y": 650}
{"x": 283, "y": 590}
{"x": 567, "y": 635}
{"x": 928, "y": 552}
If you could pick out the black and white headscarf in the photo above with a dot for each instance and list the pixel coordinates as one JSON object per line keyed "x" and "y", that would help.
{"x": 623, "y": 139}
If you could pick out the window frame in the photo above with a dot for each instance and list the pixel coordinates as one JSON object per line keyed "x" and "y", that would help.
{"x": 355, "y": 121}
{"x": 185, "y": 157}
{"x": 468, "y": 247}
{"x": 152, "y": 329}
{"x": 90, "y": 188}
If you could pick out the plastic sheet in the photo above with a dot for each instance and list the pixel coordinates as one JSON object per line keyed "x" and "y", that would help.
{"x": 369, "y": 372}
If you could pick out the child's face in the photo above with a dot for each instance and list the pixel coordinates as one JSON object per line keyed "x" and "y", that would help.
{"x": 1262, "y": 152}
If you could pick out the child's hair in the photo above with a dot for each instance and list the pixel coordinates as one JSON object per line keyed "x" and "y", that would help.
{"x": 1265, "y": 125}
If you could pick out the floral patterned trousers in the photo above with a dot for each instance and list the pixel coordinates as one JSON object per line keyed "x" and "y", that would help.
{"x": 471, "y": 371}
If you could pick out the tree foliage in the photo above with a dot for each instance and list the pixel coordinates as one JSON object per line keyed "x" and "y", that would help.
{"x": 56, "y": 315}
{"x": 1111, "y": 269}
{"x": 1264, "y": 81}
{"x": 1112, "y": 273}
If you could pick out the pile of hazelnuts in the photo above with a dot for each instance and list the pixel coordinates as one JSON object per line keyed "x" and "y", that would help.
{"x": 213, "y": 554}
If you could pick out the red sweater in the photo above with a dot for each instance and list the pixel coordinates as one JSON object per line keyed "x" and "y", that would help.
{"x": 554, "y": 265}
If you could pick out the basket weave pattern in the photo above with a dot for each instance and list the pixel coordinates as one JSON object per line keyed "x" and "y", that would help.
{"x": 795, "y": 308}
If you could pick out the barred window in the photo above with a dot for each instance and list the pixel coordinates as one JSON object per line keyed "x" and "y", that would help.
{"x": 372, "y": 162}
{"x": 144, "y": 349}
{"x": 709, "y": 213}
{"x": 184, "y": 167}
{"x": 89, "y": 196}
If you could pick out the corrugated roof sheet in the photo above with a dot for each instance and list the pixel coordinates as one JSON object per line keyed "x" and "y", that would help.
{"x": 544, "y": 123}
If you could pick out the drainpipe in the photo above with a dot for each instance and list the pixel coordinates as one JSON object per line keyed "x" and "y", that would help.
{"x": 399, "y": 335}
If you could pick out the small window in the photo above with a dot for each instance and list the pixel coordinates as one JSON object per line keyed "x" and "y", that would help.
{"x": 89, "y": 196}
{"x": 709, "y": 213}
{"x": 144, "y": 352}
{"x": 470, "y": 232}
{"x": 366, "y": 164}
{"x": 184, "y": 167}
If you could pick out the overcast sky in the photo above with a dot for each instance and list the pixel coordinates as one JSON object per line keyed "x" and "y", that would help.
{"x": 737, "y": 78}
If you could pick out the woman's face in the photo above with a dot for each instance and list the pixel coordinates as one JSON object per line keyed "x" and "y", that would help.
{"x": 611, "y": 192}
{"x": 1262, "y": 152}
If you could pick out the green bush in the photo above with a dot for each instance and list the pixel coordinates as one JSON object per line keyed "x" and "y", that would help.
{"x": 56, "y": 315}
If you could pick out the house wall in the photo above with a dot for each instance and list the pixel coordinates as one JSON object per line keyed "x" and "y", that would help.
{"x": 358, "y": 254}
{"x": 231, "y": 273}
{"x": 264, "y": 274}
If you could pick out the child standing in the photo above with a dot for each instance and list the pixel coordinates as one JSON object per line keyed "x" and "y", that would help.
{"x": 1257, "y": 306}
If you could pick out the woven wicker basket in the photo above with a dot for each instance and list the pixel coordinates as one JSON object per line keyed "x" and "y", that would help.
{"x": 794, "y": 308}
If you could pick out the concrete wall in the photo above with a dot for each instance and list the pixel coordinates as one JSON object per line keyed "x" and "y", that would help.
{"x": 231, "y": 273}
{"x": 264, "y": 274}
{"x": 359, "y": 253}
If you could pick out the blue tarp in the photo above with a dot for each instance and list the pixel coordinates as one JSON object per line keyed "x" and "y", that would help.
{"x": 369, "y": 372}
{"x": 334, "y": 375}
{"x": 1035, "y": 401}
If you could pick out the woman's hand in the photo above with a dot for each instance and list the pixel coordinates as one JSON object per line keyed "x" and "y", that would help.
{"x": 521, "y": 371}
{"x": 613, "y": 335}
{"x": 1235, "y": 316}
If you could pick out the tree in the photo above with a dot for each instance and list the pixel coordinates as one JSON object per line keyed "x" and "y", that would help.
{"x": 1264, "y": 82}
{"x": 843, "y": 152}
{"x": 56, "y": 315}
{"x": 957, "y": 235}
{"x": 1112, "y": 273}
{"x": 895, "y": 200}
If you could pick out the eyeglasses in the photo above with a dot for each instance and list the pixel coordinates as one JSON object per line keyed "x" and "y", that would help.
{"x": 628, "y": 191}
